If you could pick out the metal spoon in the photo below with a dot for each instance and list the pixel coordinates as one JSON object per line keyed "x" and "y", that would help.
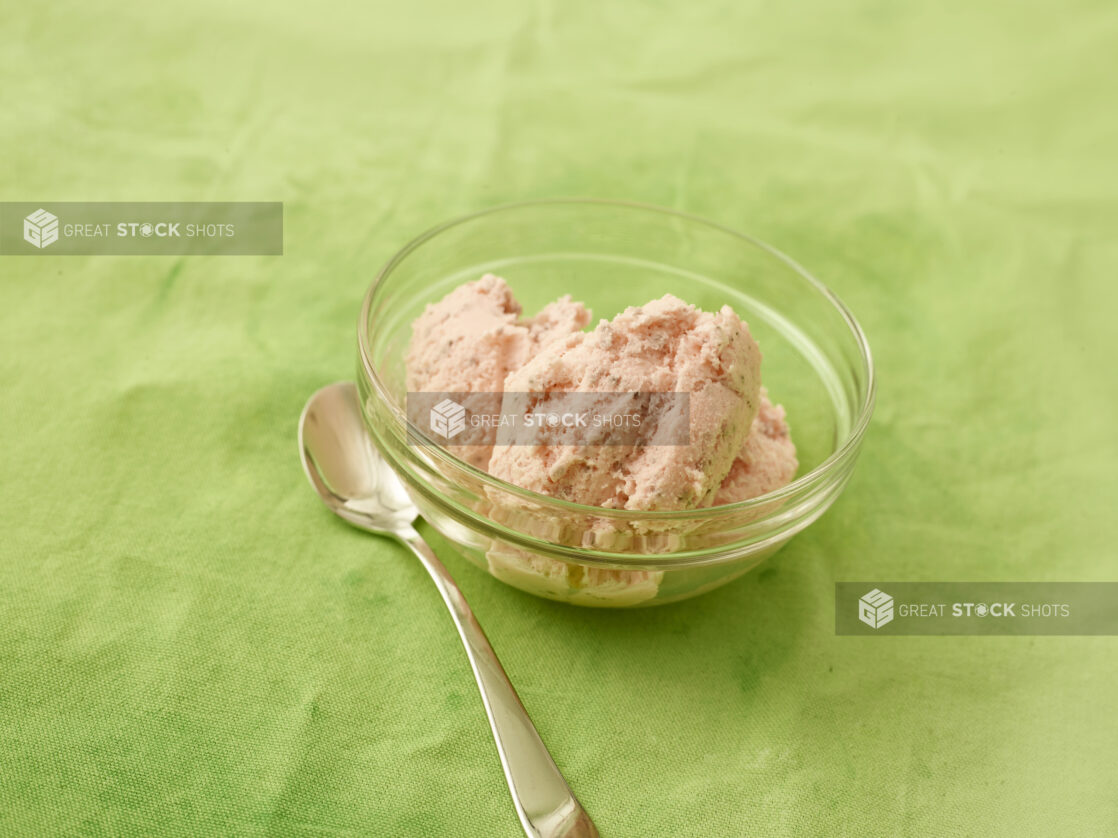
{"x": 356, "y": 483}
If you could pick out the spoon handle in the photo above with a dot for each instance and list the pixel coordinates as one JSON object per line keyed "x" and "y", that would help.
{"x": 545, "y": 803}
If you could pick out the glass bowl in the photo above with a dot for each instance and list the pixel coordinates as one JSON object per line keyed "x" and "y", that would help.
{"x": 612, "y": 255}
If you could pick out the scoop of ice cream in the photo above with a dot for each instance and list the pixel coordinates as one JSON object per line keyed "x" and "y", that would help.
{"x": 476, "y": 341}
{"x": 766, "y": 461}
{"x": 666, "y": 346}
{"x": 469, "y": 341}
{"x": 570, "y": 582}
{"x": 473, "y": 337}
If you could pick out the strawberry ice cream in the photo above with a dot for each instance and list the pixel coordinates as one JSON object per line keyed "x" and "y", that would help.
{"x": 666, "y": 346}
{"x": 765, "y": 462}
{"x": 475, "y": 341}
{"x": 473, "y": 338}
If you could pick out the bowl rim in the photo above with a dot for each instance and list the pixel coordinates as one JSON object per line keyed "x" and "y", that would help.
{"x": 844, "y": 450}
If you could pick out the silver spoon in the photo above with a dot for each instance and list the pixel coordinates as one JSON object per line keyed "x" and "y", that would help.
{"x": 356, "y": 483}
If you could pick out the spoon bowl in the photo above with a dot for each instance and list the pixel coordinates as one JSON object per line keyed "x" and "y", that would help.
{"x": 345, "y": 468}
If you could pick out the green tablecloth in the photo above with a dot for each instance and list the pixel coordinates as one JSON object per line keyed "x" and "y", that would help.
{"x": 191, "y": 645}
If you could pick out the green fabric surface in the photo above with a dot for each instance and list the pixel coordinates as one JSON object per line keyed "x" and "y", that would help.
{"x": 190, "y": 644}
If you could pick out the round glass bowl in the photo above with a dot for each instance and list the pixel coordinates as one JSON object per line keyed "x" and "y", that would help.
{"x": 610, "y": 256}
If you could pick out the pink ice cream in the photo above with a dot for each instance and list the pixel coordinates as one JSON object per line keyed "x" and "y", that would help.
{"x": 766, "y": 461}
{"x": 475, "y": 341}
{"x": 666, "y": 346}
{"x": 473, "y": 338}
